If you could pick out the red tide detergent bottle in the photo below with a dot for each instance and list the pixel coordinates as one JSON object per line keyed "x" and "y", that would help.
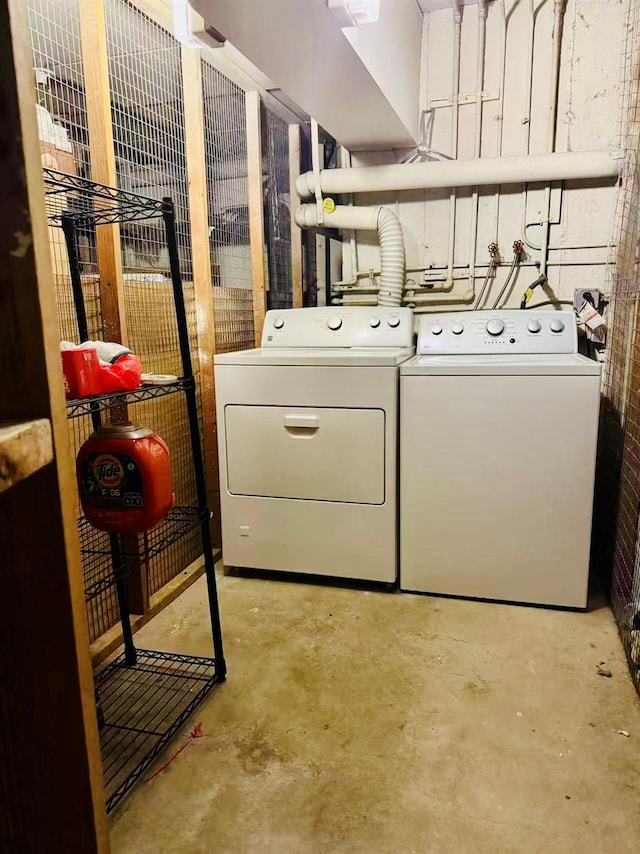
{"x": 124, "y": 478}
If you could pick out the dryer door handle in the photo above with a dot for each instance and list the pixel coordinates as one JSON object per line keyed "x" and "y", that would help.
{"x": 301, "y": 422}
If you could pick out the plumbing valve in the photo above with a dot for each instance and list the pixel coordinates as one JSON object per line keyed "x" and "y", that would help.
{"x": 518, "y": 248}
{"x": 493, "y": 250}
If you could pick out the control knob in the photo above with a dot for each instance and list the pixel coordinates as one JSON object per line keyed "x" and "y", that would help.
{"x": 457, "y": 328}
{"x": 374, "y": 322}
{"x": 534, "y": 326}
{"x": 436, "y": 330}
{"x": 393, "y": 320}
{"x": 278, "y": 322}
{"x": 495, "y": 326}
{"x": 556, "y": 325}
{"x": 334, "y": 322}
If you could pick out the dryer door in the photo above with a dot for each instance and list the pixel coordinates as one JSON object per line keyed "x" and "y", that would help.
{"x": 320, "y": 454}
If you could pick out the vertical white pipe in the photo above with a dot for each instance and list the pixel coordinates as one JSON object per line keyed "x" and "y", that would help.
{"x": 503, "y": 77}
{"x": 533, "y": 11}
{"x": 558, "y": 13}
{"x": 529, "y": 65}
{"x": 455, "y": 97}
{"x": 345, "y": 163}
{"x": 558, "y": 10}
{"x": 315, "y": 162}
{"x": 475, "y": 201}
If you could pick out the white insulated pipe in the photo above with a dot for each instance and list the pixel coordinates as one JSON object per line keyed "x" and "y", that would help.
{"x": 520, "y": 169}
{"x": 558, "y": 20}
{"x": 475, "y": 201}
{"x": 500, "y": 115}
{"x": 377, "y": 218}
{"x": 455, "y": 123}
{"x": 355, "y": 299}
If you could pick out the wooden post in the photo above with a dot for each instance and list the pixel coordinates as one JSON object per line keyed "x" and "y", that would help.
{"x": 103, "y": 162}
{"x": 201, "y": 260}
{"x": 256, "y": 212}
{"x": 49, "y": 750}
{"x": 296, "y": 231}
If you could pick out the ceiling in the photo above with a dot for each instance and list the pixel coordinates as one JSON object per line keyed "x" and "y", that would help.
{"x": 432, "y": 5}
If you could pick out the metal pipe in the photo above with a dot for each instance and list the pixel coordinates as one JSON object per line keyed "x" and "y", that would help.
{"x": 419, "y": 305}
{"x": 482, "y": 43}
{"x": 315, "y": 163}
{"x": 345, "y": 161}
{"x": 559, "y": 7}
{"x": 358, "y": 299}
{"x": 371, "y": 274}
{"x": 566, "y": 165}
{"x": 503, "y": 54}
{"x": 455, "y": 115}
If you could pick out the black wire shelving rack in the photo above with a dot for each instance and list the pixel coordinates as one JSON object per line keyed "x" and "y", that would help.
{"x": 144, "y": 696}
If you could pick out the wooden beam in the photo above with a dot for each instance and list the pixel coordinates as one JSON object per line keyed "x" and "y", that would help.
{"x": 25, "y": 447}
{"x": 202, "y": 281}
{"x": 49, "y": 741}
{"x": 103, "y": 162}
{"x": 256, "y": 212}
{"x": 296, "y": 231}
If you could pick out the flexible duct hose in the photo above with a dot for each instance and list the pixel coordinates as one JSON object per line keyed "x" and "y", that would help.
{"x": 392, "y": 257}
{"x": 392, "y": 260}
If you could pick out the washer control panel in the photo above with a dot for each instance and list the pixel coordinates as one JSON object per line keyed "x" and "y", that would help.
{"x": 339, "y": 326}
{"x": 505, "y": 331}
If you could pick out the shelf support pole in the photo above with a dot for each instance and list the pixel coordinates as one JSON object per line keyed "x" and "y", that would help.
{"x": 194, "y": 432}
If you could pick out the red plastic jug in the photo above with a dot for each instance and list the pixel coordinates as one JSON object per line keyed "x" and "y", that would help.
{"x": 124, "y": 478}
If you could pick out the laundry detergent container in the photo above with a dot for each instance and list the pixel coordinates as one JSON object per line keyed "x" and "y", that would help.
{"x": 124, "y": 479}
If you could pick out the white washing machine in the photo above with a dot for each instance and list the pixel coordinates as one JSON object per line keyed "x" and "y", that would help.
{"x": 499, "y": 422}
{"x": 307, "y": 437}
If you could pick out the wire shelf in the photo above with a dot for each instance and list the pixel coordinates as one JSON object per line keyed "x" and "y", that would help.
{"x": 179, "y": 522}
{"x": 85, "y": 201}
{"x": 78, "y": 407}
{"x": 144, "y": 706}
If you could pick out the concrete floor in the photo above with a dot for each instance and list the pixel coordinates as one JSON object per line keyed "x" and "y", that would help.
{"x": 359, "y": 721}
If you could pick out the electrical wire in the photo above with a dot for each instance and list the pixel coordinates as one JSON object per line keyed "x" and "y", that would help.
{"x": 526, "y": 296}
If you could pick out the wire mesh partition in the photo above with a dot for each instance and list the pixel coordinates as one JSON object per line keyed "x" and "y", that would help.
{"x": 64, "y": 144}
{"x": 57, "y": 59}
{"x": 617, "y": 513}
{"x": 145, "y": 77}
{"x": 225, "y": 137}
{"x": 277, "y": 218}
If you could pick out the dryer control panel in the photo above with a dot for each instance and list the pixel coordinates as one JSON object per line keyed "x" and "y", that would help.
{"x": 502, "y": 331}
{"x": 339, "y": 326}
